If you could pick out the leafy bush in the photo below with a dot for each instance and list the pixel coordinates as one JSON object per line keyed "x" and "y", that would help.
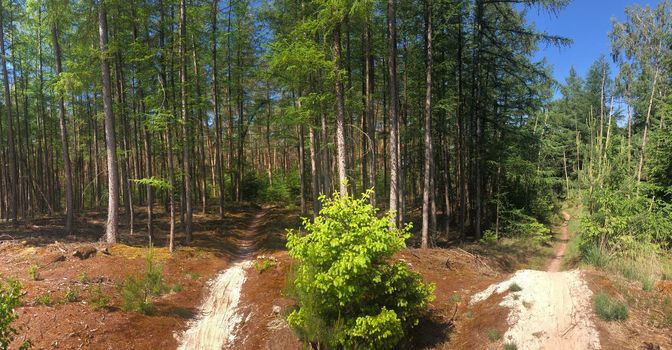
{"x": 71, "y": 295}
{"x": 97, "y": 297}
{"x": 350, "y": 293}
{"x": 34, "y": 272}
{"x": 136, "y": 291}
{"x": 264, "y": 263}
{"x": 9, "y": 301}
{"x": 493, "y": 335}
{"x": 608, "y": 309}
{"x": 515, "y": 223}
{"x": 44, "y": 299}
{"x": 510, "y": 346}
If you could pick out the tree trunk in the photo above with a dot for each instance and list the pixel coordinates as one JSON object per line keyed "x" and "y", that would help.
{"x": 647, "y": 124}
{"x": 110, "y": 142}
{"x": 185, "y": 123}
{"x": 13, "y": 166}
{"x": 393, "y": 111}
{"x": 370, "y": 78}
{"x": 340, "y": 113}
{"x": 64, "y": 136}
{"x": 428, "y": 191}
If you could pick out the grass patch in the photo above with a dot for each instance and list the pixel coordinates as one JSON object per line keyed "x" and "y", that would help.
{"x": 510, "y": 346}
{"x": 608, "y": 309}
{"x": 137, "y": 291}
{"x": 96, "y": 298}
{"x": 44, "y": 299}
{"x": 514, "y": 287}
{"x": 493, "y": 335}
{"x": 596, "y": 257}
{"x": 264, "y": 263}
{"x": 71, "y": 295}
{"x": 34, "y": 272}
{"x": 194, "y": 276}
{"x": 83, "y": 278}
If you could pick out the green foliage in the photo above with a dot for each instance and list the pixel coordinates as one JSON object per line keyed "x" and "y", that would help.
{"x": 514, "y": 287}
{"x": 44, "y": 299}
{"x": 594, "y": 256}
{"x": 83, "y": 278}
{"x": 34, "y": 272}
{"x": 136, "y": 291}
{"x": 515, "y": 223}
{"x": 97, "y": 298}
{"x": 349, "y": 291}
{"x": 284, "y": 190}
{"x": 10, "y": 294}
{"x": 608, "y": 309}
{"x": 155, "y": 182}
{"x": 510, "y": 346}
{"x": 71, "y": 295}
{"x": 493, "y": 335}
{"x": 264, "y": 263}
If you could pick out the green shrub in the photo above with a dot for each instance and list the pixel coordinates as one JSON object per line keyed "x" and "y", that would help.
{"x": 264, "y": 263}
{"x": 593, "y": 255}
{"x": 350, "y": 292}
{"x": 83, "y": 278}
{"x": 10, "y": 294}
{"x": 34, "y": 272}
{"x": 493, "y": 335}
{"x": 510, "y": 346}
{"x": 514, "y": 287}
{"x": 608, "y": 309}
{"x": 71, "y": 295}
{"x": 44, "y": 299}
{"x": 136, "y": 291}
{"x": 97, "y": 297}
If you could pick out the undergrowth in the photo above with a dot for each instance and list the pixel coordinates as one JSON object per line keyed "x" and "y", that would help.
{"x": 351, "y": 293}
{"x": 137, "y": 290}
{"x": 609, "y": 309}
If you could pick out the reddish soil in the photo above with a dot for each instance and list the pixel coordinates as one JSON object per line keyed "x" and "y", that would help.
{"x": 77, "y": 325}
{"x": 561, "y": 247}
{"x": 450, "y": 323}
{"x": 649, "y": 323}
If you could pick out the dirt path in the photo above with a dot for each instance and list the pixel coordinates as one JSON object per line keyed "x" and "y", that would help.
{"x": 218, "y": 317}
{"x": 548, "y": 309}
{"x": 556, "y": 262}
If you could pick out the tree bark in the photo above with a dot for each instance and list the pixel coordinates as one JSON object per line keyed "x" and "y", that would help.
{"x": 393, "y": 111}
{"x": 110, "y": 142}
{"x": 340, "y": 113}
{"x": 186, "y": 163}
{"x": 428, "y": 191}
{"x": 64, "y": 135}
{"x": 13, "y": 166}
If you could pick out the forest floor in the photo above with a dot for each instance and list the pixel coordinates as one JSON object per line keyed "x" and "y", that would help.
{"x": 239, "y": 266}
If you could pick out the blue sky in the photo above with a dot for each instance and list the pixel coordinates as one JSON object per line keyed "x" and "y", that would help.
{"x": 587, "y": 23}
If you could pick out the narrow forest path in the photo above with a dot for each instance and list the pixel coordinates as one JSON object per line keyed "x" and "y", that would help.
{"x": 214, "y": 327}
{"x": 556, "y": 262}
{"x": 548, "y": 309}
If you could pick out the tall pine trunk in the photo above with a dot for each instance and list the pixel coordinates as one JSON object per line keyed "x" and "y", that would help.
{"x": 393, "y": 110}
{"x": 340, "y": 112}
{"x": 186, "y": 163}
{"x": 110, "y": 142}
{"x": 428, "y": 191}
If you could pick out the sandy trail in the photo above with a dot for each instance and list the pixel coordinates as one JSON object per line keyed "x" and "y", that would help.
{"x": 215, "y": 326}
{"x": 556, "y": 263}
{"x": 552, "y": 310}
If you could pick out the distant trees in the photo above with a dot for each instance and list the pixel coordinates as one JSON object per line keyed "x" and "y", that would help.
{"x": 434, "y": 106}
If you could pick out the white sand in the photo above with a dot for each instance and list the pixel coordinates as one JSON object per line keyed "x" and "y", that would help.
{"x": 214, "y": 327}
{"x": 552, "y": 311}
